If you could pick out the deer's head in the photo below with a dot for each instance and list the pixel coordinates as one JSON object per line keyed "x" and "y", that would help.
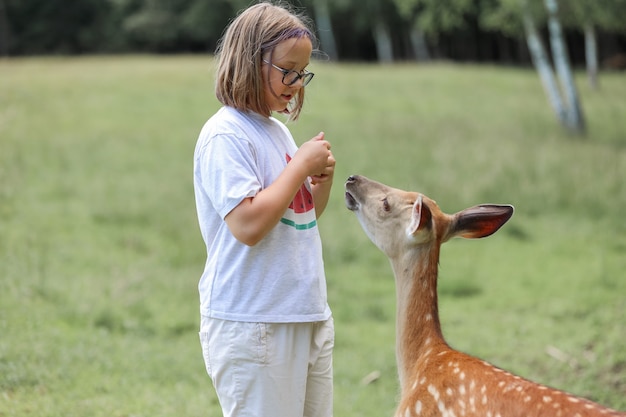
{"x": 396, "y": 220}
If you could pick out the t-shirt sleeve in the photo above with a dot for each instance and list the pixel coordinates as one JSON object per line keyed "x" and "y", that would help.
{"x": 229, "y": 173}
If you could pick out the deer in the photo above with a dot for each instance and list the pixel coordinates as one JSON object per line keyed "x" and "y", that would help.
{"x": 435, "y": 379}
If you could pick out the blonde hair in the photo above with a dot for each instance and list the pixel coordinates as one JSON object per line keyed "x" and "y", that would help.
{"x": 256, "y": 31}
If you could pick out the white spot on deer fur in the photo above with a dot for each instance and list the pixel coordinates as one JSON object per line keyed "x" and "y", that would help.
{"x": 547, "y": 399}
{"x": 484, "y": 401}
{"x": 573, "y": 400}
{"x": 501, "y": 384}
{"x": 462, "y": 376}
{"x": 509, "y": 387}
{"x": 527, "y": 398}
{"x": 449, "y": 391}
{"x": 473, "y": 403}
{"x": 423, "y": 380}
{"x": 418, "y": 407}
{"x": 433, "y": 391}
{"x": 462, "y": 389}
{"x": 429, "y": 317}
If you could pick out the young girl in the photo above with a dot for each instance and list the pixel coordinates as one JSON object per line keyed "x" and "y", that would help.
{"x": 266, "y": 331}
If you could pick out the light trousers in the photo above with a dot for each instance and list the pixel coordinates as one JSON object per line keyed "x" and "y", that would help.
{"x": 270, "y": 369}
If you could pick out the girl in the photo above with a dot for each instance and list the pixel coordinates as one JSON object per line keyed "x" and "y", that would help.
{"x": 266, "y": 329}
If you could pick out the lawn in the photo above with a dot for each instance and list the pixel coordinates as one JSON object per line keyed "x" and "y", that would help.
{"x": 100, "y": 253}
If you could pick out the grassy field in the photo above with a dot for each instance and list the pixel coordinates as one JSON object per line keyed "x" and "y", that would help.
{"x": 100, "y": 251}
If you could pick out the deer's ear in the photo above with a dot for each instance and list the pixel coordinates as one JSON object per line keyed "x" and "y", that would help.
{"x": 480, "y": 221}
{"x": 421, "y": 217}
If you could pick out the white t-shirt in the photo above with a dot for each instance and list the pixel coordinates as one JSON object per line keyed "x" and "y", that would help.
{"x": 281, "y": 278}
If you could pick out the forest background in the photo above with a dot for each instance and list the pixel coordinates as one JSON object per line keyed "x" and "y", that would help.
{"x": 349, "y": 30}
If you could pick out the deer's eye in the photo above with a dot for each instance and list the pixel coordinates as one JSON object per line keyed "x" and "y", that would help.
{"x": 386, "y": 205}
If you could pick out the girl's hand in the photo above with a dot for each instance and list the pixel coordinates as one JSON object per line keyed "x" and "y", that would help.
{"x": 315, "y": 157}
{"x": 327, "y": 174}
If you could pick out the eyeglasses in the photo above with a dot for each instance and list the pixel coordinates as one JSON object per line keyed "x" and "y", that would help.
{"x": 290, "y": 77}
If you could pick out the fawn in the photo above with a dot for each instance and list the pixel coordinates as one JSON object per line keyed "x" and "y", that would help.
{"x": 435, "y": 379}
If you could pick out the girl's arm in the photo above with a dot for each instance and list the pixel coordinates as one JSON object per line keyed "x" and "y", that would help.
{"x": 322, "y": 185}
{"x": 255, "y": 216}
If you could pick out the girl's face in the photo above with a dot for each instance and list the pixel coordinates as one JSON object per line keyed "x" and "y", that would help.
{"x": 291, "y": 54}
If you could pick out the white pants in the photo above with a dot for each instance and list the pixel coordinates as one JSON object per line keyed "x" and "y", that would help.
{"x": 270, "y": 369}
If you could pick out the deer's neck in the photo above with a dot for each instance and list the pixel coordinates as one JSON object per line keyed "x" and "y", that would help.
{"x": 418, "y": 330}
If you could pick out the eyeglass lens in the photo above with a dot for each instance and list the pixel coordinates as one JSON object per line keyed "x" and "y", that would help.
{"x": 292, "y": 77}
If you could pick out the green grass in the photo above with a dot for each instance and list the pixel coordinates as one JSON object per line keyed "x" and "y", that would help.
{"x": 100, "y": 252}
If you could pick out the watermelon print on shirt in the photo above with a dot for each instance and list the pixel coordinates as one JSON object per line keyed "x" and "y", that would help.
{"x": 301, "y": 212}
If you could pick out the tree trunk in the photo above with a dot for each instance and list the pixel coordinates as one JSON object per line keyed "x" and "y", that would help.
{"x": 542, "y": 65}
{"x": 591, "y": 55}
{"x": 325, "y": 29}
{"x": 574, "y": 117}
{"x": 382, "y": 37}
{"x": 418, "y": 43}
{"x": 4, "y": 30}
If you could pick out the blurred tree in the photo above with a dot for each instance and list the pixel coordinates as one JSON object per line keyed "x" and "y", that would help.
{"x": 589, "y": 16}
{"x": 202, "y": 22}
{"x": 4, "y": 30}
{"x": 409, "y": 10}
{"x": 574, "y": 120}
{"x": 325, "y": 29}
{"x": 176, "y": 25}
{"x": 153, "y": 24}
{"x": 542, "y": 63}
{"x": 375, "y": 13}
{"x": 55, "y": 26}
{"x": 433, "y": 18}
{"x": 374, "y": 16}
{"x": 512, "y": 16}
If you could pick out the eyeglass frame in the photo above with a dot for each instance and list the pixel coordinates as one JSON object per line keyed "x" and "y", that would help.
{"x": 305, "y": 76}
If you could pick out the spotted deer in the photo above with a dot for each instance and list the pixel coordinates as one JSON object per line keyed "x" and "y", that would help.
{"x": 435, "y": 379}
